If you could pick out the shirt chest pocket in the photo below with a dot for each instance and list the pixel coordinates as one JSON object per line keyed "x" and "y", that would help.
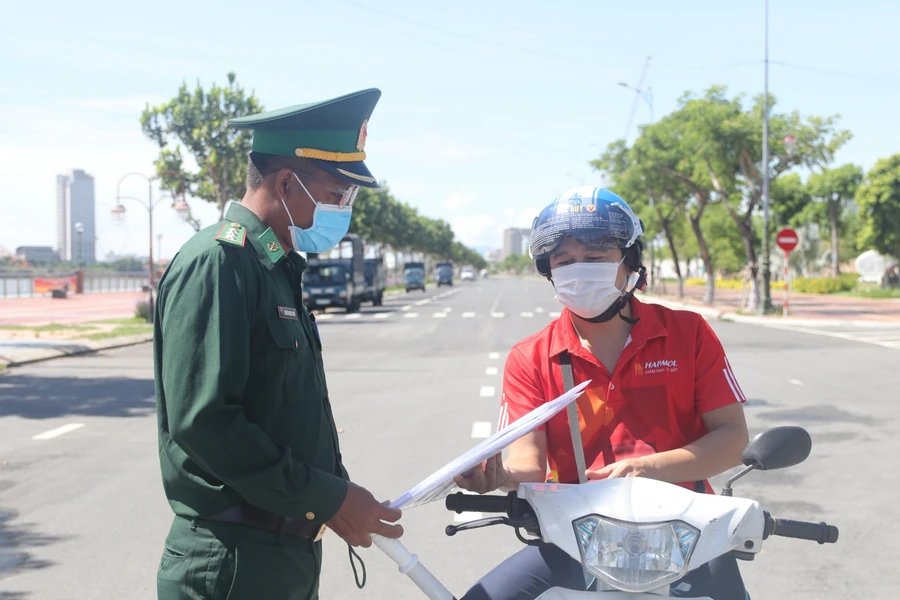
{"x": 288, "y": 340}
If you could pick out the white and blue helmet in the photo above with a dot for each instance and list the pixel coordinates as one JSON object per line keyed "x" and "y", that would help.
{"x": 595, "y": 217}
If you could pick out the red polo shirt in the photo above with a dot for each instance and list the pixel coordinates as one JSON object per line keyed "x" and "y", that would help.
{"x": 672, "y": 370}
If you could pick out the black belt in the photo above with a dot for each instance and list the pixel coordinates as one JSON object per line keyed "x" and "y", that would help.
{"x": 244, "y": 514}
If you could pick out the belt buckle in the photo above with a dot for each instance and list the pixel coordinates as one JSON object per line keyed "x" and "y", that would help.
{"x": 321, "y": 533}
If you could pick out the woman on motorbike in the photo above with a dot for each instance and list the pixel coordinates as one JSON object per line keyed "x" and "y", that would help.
{"x": 663, "y": 402}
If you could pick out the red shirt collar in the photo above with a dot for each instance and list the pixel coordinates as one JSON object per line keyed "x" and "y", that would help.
{"x": 647, "y": 327}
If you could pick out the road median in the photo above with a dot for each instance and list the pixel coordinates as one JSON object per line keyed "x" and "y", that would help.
{"x": 22, "y": 344}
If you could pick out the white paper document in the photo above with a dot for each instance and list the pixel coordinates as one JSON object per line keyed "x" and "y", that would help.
{"x": 440, "y": 484}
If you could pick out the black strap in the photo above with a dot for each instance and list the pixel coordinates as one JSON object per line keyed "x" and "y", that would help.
{"x": 565, "y": 364}
{"x": 362, "y": 565}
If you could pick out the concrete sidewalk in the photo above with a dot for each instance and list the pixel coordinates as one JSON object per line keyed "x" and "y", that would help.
{"x": 805, "y": 310}
{"x": 77, "y": 308}
{"x": 17, "y": 353}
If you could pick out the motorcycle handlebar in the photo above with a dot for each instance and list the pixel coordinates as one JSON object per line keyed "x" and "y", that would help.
{"x": 822, "y": 533}
{"x": 509, "y": 504}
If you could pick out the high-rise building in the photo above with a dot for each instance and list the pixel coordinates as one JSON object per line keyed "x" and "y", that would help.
{"x": 75, "y": 205}
{"x": 516, "y": 241}
{"x": 37, "y": 253}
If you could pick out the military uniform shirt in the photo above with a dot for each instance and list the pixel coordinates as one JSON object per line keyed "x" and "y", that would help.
{"x": 243, "y": 409}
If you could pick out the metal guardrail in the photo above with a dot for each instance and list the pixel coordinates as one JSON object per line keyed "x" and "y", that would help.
{"x": 21, "y": 285}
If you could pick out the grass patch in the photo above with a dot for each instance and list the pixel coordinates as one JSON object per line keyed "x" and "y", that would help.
{"x": 394, "y": 288}
{"x": 128, "y": 321}
{"x": 121, "y": 332}
{"x": 873, "y": 292}
{"x": 48, "y": 327}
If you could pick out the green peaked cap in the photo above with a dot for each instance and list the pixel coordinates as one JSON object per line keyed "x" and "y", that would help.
{"x": 332, "y": 133}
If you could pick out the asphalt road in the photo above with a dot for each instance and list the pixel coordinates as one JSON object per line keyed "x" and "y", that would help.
{"x": 82, "y": 514}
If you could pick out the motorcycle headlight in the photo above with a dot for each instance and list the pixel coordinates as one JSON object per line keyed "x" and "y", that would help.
{"x": 635, "y": 557}
{"x": 342, "y": 293}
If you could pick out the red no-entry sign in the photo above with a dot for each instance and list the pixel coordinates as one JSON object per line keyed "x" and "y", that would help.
{"x": 787, "y": 239}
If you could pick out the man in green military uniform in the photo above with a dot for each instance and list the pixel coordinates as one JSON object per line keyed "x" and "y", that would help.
{"x": 248, "y": 447}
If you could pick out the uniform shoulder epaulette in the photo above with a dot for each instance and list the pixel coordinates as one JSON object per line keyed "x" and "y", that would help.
{"x": 233, "y": 234}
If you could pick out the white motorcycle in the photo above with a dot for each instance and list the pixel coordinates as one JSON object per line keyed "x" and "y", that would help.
{"x": 634, "y": 536}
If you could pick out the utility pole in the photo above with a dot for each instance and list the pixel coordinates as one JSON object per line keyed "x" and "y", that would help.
{"x": 765, "y": 276}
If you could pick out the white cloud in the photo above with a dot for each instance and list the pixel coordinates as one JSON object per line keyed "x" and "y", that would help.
{"x": 458, "y": 200}
{"x": 519, "y": 217}
{"x": 476, "y": 230}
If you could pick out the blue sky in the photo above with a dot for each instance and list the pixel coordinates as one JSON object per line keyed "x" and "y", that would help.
{"x": 489, "y": 109}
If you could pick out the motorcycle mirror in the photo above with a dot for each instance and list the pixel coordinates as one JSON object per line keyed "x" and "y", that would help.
{"x": 777, "y": 448}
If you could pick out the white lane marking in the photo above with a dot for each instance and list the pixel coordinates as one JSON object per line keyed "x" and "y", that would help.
{"x": 382, "y": 315}
{"x": 405, "y": 308}
{"x": 555, "y": 315}
{"x": 527, "y": 314}
{"x": 423, "y": 302}
{"x": 497, "y": 315}
{"x": 795, "y": 381}
{"x": 353, "y": 316}
{"x": 324, "y": 317}
{"x": 466, "y": 517}
{"x": 497, "y": 302}
{"x": 839, "y": 335}
{"x": 468, "y": 315}
{"x": 448, "y": 309}
{"x": 439, "y": 315}
{"x": 49, "y": 435}
{"x": 481, "y": 430}
{"x": 494, "y": 355}
{"x": 539, "y": 309}
{"x": 411, "y": 315}
{"x": 488, "y": 391}
{"x": 490, "y": 371}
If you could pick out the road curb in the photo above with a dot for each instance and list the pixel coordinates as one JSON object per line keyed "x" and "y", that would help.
{"x": 774, "y": 321}
{"x": 705, "y": 311}
{"x": 27, "y": 357}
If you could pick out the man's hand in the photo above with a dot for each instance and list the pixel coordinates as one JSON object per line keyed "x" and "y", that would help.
{"x": 630, "y": 467}
{"x": 361, "y": 515}
{"x": 485, "y": 477}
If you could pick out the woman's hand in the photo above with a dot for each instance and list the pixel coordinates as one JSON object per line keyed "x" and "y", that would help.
{"x": 630, "y": 467}
{"x": 486, "y": 477}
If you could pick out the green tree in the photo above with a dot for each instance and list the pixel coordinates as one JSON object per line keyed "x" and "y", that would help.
{"x": 879, "y": 207}
{"x": 835, "y": 190}
{"x": 669, "y": 147}
{"x": 380, "y": 218}
{"x": 656, "y": 198}
{"x": 789, "y": 198}
{"x": 725, "y": 240}
{"x": 197, "y": 121}
{"x": 729, "y": 144}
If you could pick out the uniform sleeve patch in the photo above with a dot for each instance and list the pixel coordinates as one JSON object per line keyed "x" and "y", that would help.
{"x": 233, "y": 234}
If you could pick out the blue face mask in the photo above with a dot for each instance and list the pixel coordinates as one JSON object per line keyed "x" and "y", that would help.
{"x": 330, "y": 224}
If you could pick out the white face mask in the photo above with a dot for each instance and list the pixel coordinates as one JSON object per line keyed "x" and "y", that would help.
{"x": 587, "y": 289}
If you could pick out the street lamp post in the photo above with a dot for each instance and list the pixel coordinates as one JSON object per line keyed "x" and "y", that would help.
{"x": 184, "y": 211}
{"x": 118, "y": 213}
{"x": 79, "y": 229}
{"x": 766, "y": 275}
{"x": 647, "y": 96}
